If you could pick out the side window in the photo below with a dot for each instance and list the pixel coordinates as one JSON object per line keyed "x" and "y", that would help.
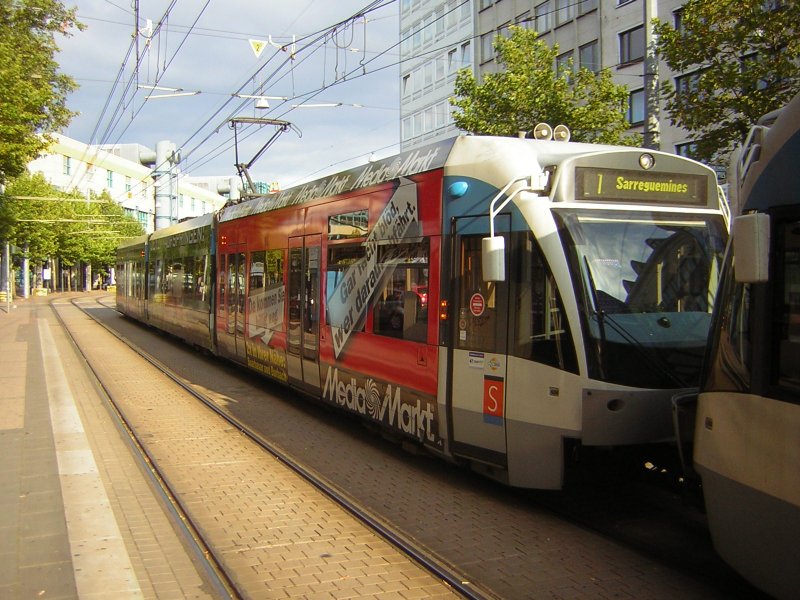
{"x": 222, "y": 275}
{"x": 730, "y": 364}
{"x": 265, "y": 292}
{"x": 401, "y": 305}
{"x": 541, "y": 329}
{"x": 200, "y": 281}
{"x": 788, "y": 338}
{"x": 256, "y": 273}
{"x": 340, "y": 258}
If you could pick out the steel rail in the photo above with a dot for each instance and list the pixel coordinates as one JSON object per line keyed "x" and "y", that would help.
{"x": 440, "y": 568}
{"x": 202, "y": 552}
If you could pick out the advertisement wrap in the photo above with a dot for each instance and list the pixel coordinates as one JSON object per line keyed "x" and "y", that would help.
{"x": 348, "y": 305}
{"x": 393, "y": 406}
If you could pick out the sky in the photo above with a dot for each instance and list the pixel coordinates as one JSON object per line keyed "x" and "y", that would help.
{"x": 206, "y": 46}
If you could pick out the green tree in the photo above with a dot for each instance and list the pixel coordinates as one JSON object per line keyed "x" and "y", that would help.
{"x": 529, "y": 91}
{"x": 48, "y": 223}
{"x": 741, "y": 57}
{"x": 32, "y": 91}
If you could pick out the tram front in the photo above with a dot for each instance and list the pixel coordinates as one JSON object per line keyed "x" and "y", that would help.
{"x": 644, "y": 248}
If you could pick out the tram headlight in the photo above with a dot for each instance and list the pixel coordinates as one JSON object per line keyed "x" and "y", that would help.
{"x": 647, "y": 161}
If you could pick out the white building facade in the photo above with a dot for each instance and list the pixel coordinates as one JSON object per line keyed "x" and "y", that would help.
{"x": 436, "y": 41}
{"x": 71, "y": 165}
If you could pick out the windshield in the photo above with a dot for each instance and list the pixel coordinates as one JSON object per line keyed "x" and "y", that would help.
{"x": 646, "y": 283}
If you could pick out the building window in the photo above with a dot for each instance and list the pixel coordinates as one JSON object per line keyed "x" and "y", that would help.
{"x": 564, "y": 62}
{"x": 635, "y": 114}
{"x": 407, "y": 128}
{"x": 427, "y": 73}
{"x": 750, "y": 64}
{"x": 485, "y": 4}
{"x": 589, "y": 57}
{"x": 110, "y": 179}
{"x": 686, "y": 84}
{"x": 406, "y": 84}
{"x": 687, "y": 150}
{"x": 466, "y": 11}
{"x": 565, "y": 11}
{"x": 631, "y": 45}
{"x": 677, "y": 19}
{"x": 542, "y": 15}
{"x": 487, "y": 49}
{"x": 441, "y": 67}
{"x": 452, "y": 55}
{"x": 466, "y": 54}
{"x": 128, "y": 184}
{"x": 67, "y": 165}
{"x": 586, "y": 6}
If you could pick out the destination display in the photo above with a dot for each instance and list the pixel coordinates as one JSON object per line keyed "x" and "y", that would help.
{"x": 619, "y": 185}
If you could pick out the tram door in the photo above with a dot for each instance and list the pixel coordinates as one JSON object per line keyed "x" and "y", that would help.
{"x": 232, "y": 298}
{"x": 302, "y": 345}
{"x": 477, "y": 399}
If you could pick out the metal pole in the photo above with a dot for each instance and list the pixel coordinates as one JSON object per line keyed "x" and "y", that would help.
{"x": 652, "y": 130}
{"x": 7, "y": 257}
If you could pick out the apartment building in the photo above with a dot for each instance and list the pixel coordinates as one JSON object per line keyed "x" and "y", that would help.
{"x": 437, "y": 39}
{"x": 597, "y": 34}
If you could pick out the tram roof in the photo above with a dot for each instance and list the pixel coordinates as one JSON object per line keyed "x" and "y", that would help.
{"x": 450, "y": 154}
{"x": 187, "y": 225}
{"x": 771, "y": 181}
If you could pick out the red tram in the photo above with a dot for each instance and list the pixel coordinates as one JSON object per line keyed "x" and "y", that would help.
{"x": 373, "y": 290}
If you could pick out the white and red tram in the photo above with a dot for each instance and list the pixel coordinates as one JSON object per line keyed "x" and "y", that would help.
{"x": 498, "y": 300}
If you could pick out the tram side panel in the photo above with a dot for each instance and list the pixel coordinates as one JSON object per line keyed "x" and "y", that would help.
{"x": 180, "y": 270}
{"x": 335, "y": 296}
{"x": 132, "y": 277}
{"x": 378, "y": 346}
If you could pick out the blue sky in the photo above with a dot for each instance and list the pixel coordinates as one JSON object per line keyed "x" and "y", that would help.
{"x": 204, "y": 46}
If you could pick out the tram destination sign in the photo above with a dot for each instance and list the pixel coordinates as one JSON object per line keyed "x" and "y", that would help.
{"x": 646, "y": 187}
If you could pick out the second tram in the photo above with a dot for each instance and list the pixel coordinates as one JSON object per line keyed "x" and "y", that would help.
{"x": 747, "y": 432}
{"x": 500, "y": 301}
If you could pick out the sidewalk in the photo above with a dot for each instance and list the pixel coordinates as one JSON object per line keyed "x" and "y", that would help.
{"x": 66, "y": 478}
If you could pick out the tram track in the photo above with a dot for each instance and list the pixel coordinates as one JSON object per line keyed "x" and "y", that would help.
{"x": 517, "y": 520}
{"x": 203, "y": 554}
{"x": 203, "y": 549}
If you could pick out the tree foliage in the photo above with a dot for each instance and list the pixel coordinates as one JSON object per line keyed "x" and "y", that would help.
{"x": 529, "y": 91}
{"x": 50, "y": 223}
{"x": 32, "y": 91}
{"x": 743, "y": 57}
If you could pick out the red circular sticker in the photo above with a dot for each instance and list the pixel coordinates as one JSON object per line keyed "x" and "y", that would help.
{"x": 477, "y": 304}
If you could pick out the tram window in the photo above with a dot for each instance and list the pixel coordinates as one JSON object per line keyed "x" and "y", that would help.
{"x": 542, "y": 331}
{"x": 157, "y": 280}
{"x": 256, "y": 273}
{"x": 340, "y": 259}
{"x": 222, "y": 271}
{"x": 348, "y": 225}
{"x": 477, "y": 310}
{"x": 199, "y": 279}
{"x": 731, "y": 353}
{"x": 401, "y": 305}
{"x": 788, "y": 251}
